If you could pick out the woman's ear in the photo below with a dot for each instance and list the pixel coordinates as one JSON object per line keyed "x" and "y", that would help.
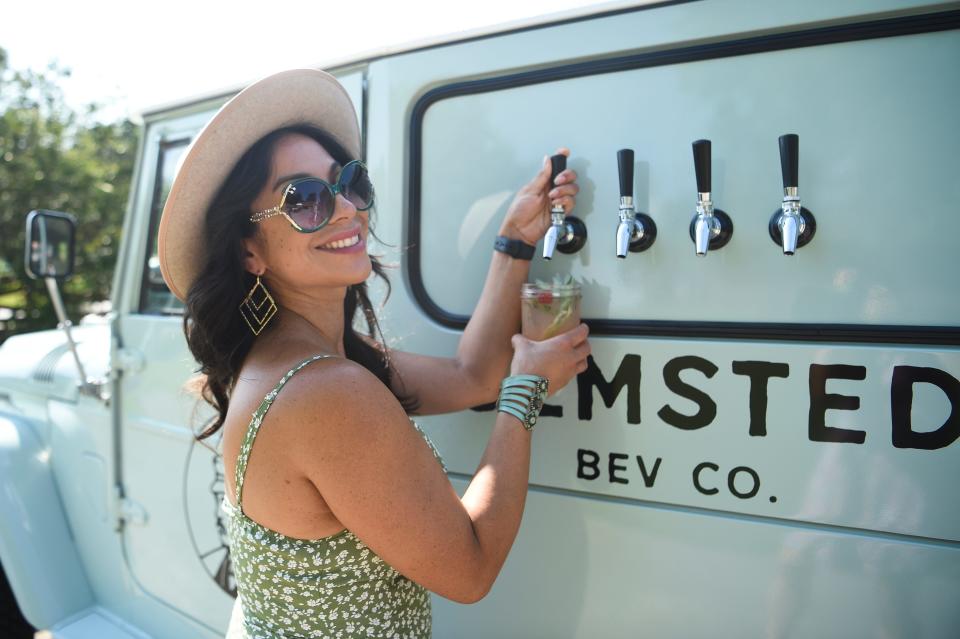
{"x": 252, "y": 260}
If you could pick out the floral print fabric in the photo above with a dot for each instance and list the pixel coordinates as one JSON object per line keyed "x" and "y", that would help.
{"x": 329, "y": 587}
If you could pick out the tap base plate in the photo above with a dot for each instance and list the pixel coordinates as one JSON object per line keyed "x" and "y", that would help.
{"x": 809, "y": 227}
{"x": 575, "y": 236}
{"x": 726, "y": 230}
{"x": 649, "y": 234}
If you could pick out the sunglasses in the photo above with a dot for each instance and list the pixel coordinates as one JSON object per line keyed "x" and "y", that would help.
{"x": 308, "y": 203}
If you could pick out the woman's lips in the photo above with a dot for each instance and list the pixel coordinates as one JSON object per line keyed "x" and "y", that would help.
{"x": 358, "y": 246}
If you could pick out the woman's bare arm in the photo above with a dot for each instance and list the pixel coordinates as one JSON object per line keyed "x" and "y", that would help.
{"x": 379, "y": 477}
{"x": 472, "y": 377}
{"x": 483, "y": 355}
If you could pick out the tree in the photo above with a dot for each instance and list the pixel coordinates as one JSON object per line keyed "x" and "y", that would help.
{"x": 53, "y": 157}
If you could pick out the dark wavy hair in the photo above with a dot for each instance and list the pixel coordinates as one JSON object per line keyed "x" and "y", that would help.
{"x": 216, "y": 333}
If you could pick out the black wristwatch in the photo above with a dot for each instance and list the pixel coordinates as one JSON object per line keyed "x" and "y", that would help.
{"x": 514, "y": 248}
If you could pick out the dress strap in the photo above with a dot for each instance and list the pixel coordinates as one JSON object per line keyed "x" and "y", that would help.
{"x": 257, "y": 420}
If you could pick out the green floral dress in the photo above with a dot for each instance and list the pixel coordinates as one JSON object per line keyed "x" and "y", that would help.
{"x": 329, "y": 587}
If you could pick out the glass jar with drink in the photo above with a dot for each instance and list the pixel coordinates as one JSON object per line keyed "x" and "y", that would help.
{"x": 548, "y": 309}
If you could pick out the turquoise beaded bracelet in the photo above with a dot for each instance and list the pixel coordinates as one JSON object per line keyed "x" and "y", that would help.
{"x": 522, "y": 397}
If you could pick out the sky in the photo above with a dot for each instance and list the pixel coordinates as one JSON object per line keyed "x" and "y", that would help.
{"x": 133, "y": 55}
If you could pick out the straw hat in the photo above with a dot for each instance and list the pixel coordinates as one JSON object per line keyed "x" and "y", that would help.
{"x": 300, "y": 96}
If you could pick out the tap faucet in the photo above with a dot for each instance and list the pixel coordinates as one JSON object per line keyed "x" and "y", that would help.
{"x": 792, "y": 226}
{"x": 567, "y": 233}
{"x": 711, "y": 228}
{"x": 636, "y": 231}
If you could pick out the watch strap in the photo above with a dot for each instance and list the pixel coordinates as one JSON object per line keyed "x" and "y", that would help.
{"x": 514, "y": 248}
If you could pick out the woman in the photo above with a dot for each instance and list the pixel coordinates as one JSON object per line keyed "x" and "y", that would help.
{"x": 341, "y": 518}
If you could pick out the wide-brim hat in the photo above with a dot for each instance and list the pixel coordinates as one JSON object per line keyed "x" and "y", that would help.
{"x": 299, "y": 96}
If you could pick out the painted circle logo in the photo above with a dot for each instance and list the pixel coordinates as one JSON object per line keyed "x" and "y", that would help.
{"x": 203, "y": 490}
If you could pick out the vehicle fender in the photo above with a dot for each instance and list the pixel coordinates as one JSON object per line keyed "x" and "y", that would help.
{"x": 37, "y": 548}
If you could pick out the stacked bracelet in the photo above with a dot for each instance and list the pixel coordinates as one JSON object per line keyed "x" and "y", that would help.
{"x": 522, "y": 396}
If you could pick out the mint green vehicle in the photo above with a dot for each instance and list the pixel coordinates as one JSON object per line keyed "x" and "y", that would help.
{"x": 765, "y": 443}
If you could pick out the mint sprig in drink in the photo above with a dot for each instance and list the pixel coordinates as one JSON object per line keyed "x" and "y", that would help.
{"x": 549, "y": 308}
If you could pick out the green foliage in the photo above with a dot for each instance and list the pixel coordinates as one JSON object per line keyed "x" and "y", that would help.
{"x": 52, "y": 157}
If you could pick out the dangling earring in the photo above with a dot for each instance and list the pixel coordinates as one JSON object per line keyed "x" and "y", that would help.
{"x": 258, "y": 307}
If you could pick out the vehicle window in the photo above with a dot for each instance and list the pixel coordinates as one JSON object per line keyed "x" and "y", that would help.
{"x": 155, "y": 297}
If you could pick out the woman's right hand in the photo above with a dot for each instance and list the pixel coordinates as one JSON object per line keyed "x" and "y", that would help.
{"x": 558, "y": 358}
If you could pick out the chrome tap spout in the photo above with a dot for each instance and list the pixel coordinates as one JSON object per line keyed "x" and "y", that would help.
{"x": 706, "y": 226}
{"x": 791, "y": 221}
{"x": 630, "y": 229}
{"x": 552, "y": 236}
{"x": 789, "y": 230}
{"x": 702, "y": 232}
{"x": 624, "y": 233}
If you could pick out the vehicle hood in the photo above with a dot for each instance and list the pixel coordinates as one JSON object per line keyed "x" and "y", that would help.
{"x": 40, "y": 364}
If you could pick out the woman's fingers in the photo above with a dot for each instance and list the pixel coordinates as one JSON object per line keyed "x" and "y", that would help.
{"x": 581, "y": 351}
{"x": 580, "y": 347}
{"x": 566, "y": 190}
{"x": 574, "y": 349}
{"x": 564, "y": 177}
{"x": 559, "y": 358}
{"x": 576, "y": 336}
{"x": 565, "y": 195}
{"x": 579, "y": 356}
{"x": 541, "y": 180}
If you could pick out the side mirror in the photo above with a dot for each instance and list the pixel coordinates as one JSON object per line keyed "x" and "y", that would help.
{"x": 51, "y": 244}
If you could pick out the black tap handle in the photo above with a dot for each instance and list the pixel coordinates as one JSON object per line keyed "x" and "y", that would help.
{"x": 625, "y": 163}
{"x": 701, "y": 164}
{"x": 790, "y": 159}
{"x": 558, "y": 163}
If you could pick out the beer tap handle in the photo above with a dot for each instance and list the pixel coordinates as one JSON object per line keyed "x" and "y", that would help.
{"x": 790, "y": 159}
{"x": 710, "y": 228}
{"x": 701, "y": 165}
{"x": 636, "y": 231}
{"x": 558, "y": 163}
{"x": 793, "y": 225}
{"x": 625, "y": 164}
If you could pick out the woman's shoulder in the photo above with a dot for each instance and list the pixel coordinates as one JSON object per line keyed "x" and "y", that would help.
{"x": 335, "y": 379}
{"x": 318, "y": 385}
{"x": 332, "y": 408}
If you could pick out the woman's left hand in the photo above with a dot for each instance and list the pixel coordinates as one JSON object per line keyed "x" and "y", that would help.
{"x": 528, "y": 217}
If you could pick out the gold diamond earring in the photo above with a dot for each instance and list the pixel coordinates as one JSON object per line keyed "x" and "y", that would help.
{"x": 258, "y": 307}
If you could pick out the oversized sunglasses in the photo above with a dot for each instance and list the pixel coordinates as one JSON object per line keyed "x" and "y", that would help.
{"x": 308, "y": 203}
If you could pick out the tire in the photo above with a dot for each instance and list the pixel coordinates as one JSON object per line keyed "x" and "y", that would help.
{"x": 12, "y": 623}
